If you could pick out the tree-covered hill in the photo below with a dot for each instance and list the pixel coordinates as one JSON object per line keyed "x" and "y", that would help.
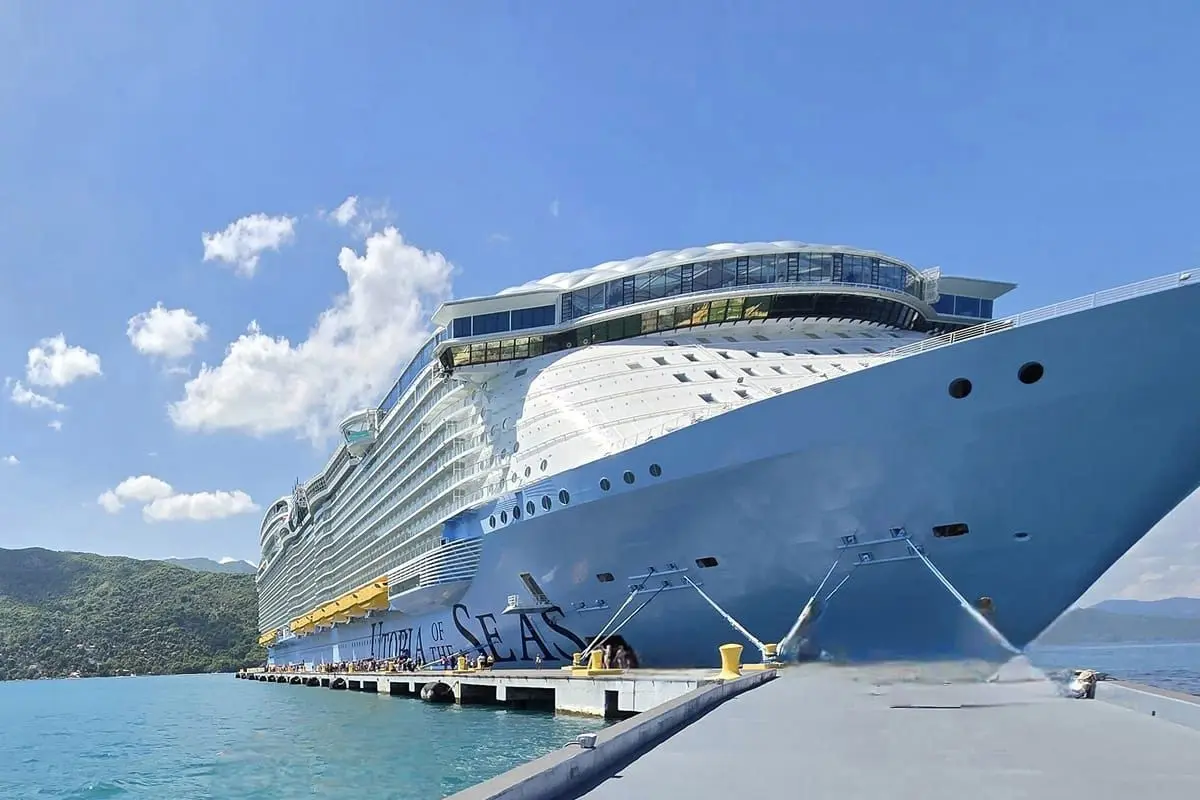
{"x": 102, "y": 615}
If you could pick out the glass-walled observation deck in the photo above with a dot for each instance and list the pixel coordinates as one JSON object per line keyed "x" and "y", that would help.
{"x": 834, "y": 268}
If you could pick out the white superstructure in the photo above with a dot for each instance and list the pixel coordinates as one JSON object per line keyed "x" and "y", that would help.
{"x": 542, "y": 378}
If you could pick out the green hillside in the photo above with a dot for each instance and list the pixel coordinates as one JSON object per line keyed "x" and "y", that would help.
{"x": 102, "y": 615}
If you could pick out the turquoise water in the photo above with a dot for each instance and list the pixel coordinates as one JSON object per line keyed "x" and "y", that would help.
{"x": 210, "y": 736}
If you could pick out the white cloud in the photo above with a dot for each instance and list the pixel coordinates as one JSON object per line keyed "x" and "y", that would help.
{"x": 226, "y": 560}
{"x": 24, "y": 396}
{"x": 55, "y": 424}
{"x": 499, "y": 237}
{"x": 12, "y": 460}
{"x": 140, "y": 489}
{"x": 170, "y": 333}
{"x": 344, "y": 214}
{"x": 52, "y": 362}
{"x": 161, "y": 503}
{"x": 199, "y": 507}
{"x": 350, "y": 357}
{"x": 243, "y": 241}
{"x": 554, "y": 207}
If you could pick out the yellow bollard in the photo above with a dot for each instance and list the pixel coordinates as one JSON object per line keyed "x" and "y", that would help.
{"x": 731, "y": 662}
{"x": 770, "y": 652}
{"x": 576, "y": 659}
{"x": 462, "y": 664}
{"x": 596, "y": 659}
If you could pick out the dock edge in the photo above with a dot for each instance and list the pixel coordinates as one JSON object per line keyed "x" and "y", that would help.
{"x": 569, "y": 770}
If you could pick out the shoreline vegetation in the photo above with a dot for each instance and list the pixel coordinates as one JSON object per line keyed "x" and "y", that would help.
{"x": 83, "y": 615}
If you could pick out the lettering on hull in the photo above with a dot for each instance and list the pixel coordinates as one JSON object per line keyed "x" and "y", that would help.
{"x": 541, "y": 635}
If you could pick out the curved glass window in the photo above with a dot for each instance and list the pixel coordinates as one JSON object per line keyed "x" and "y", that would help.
{"x": 832, "y": 305}
{"x": 764, "y": 270}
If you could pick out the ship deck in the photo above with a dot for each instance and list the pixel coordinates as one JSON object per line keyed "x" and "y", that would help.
{"x": 899, "y": 731}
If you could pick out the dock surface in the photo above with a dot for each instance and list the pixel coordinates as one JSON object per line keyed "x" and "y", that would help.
{"x": 889, "y": 732}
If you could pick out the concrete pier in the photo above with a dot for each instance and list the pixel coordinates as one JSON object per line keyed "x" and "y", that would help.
{"x": 612, "y": 694}
{"x": 896, "y": 731}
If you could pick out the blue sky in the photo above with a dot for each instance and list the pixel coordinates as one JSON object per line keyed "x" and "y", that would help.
{"x": 1048, "y": 144}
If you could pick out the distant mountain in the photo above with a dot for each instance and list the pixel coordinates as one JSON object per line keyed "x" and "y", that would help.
{"x": 1176, "y": 607}
{"x": 1176, "y": 619}
{"x": 208, "y": 565}
{"x": 62, "y": 613}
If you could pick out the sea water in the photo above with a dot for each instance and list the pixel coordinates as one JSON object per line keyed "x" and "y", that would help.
{"x": 210, "y": 736}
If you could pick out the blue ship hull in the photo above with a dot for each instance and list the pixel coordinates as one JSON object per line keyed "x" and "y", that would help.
{"x": 1055, "y": 480}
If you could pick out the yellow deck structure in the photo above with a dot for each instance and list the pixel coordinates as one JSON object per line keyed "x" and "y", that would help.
{"x": 371, "y": 596}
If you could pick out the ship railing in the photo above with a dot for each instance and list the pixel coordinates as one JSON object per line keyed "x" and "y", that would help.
{"x": 453, "y": 561}
{"x": 1095, "y": 300}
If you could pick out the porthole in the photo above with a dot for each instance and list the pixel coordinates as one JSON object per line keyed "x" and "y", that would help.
{"x": 492, "y": 521}
{"x": 628, "y": 477}
{"x": 528, "y": 471}
{"x": 529, "y": 508}
{"x": 504, "y": 424}
{"x": 544, "y": 464}
{"x": 564, "y": 496}
{"x": 503, "y": 517}
{"x": 516, "y": 447}
{"x": 959, "y": 388}
{"x": 516, "y": 513}
{"x": 546, "y": 502}
{"x": 1021, "y": 536}
{"x": 1030, "y": 372}
{"x": 655, "y": 470}
{"x": 605, "y": 485}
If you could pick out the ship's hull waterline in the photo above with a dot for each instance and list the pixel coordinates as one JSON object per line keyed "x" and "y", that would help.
{"x": 1055, "y": 480}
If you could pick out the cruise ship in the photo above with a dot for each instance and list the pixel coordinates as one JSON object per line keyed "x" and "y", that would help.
{"x": 674, "y": 452}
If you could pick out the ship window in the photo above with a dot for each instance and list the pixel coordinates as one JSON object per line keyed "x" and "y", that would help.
{"x": 812, "y": 335}
{"x": 712, "y": 373}
{"x": 529, "y": 508}
{"x": 605, "y": 485}
{"x": 729, "y": 338}
{"x": 1021, "y": 536}
{"x": 953, "y": 529}
{"x": 843, "y": 335}
{"x": 516, "y": 512}
{"x": 761, "y": 338}
{"x": 628, "y": 477}
{"x": 605, "y": 577}
{"x": 679, "y": 376}
{"x": 868, "y": 350}
{"x": 528, "y": 471}
{"x": 503, "y": 517}
{"x": 543, "y": 465}
{"x": 752, "y": 353}
{"x": 520, "y": 372}
{"x": 839, "y": 351}
{"x": 491, "y": 522}
{"x": 811, "y": 368}
{"x": 706, "y": 562}
{"x": 749, "y": 371}
{"x": 742, "y": 393}
{"x": 634, "y": 365}
{"x": 564, "y": 496}
{"x": 702, "y": 340}
{"x": 778, "y": 370}
{"x": 655, "y": 470}
{"x": 708, "y": 398}
{"x": 516, "y": 447}
{"x": 776, "y": 390}
{"x": 959, "y": 388}
{"x": 1031, "y": 372}
{"x": 662, "y": 362}
{"x": 813, "y": 352}
{"x": 691, "y": 357}
{"x": 787, "y": 352}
